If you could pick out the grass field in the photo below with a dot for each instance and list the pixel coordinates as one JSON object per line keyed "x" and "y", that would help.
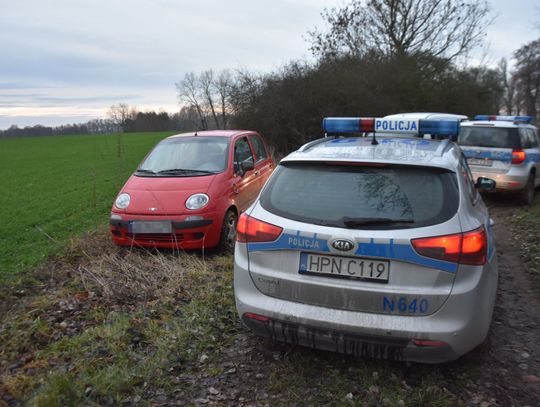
{"x": 54, "y": 188}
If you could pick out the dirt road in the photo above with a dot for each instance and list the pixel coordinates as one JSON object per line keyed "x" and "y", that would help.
{"x": 504, "y": 371}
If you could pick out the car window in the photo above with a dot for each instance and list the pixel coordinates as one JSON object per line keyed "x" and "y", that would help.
{"x": 535, "y": 136}
{"x": 482, "y": 136}
{"x": 331, "y": 195}
{"x": 533, "y": 140}
{"x": 525, "y": 138}
{"x": 242, "y": 152}
{"x": 468, "y": 178}
{"x": 258, "y": 145}
{"x": 188, "y": 153}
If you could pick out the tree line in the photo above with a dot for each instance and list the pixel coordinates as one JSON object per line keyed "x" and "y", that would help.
{"x": 135, "y": 121}
{"x": 371, "y": 58}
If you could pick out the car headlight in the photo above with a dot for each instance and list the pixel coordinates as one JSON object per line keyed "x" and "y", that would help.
{"x": 122, "y": 202}
{"x": 197, "y": 201}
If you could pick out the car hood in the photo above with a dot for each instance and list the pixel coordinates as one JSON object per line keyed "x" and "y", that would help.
{"x": 163, "y": 195}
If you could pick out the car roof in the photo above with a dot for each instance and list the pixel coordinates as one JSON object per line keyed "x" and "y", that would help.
{"x": 496, "y": 123}
{"x": 427, "y": 115}
{"x": 389, "y": 150}
{"x": 214, "y": 133}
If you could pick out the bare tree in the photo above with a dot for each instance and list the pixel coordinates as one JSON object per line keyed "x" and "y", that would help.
{"x": 527, "y": 76}
{"x": 209, "y": 95}
{"x": 206, "y": 84}
{"x": 119, "y": 114}
{"x": 441, "y": 28}
{"x": 509, "y": 98}
{"x": 223, "y": 86}
{"x": 189, "y": 92}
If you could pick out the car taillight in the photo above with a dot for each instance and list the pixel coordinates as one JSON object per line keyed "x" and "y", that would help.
{"x": 474, "y": 247}
{"x": 256, "y": 317}
{"x": 252, "y": 230}
{"x": 464, "y": 248}
{"x": 428, "y": 343}
{"x": 518, "y": 156}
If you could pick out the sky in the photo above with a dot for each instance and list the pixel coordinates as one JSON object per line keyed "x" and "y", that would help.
{"x": 68, "y": 61}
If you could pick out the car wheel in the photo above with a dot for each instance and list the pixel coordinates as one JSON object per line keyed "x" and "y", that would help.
{"x": 526, "y": 196}
{"x": 228, "y": 232}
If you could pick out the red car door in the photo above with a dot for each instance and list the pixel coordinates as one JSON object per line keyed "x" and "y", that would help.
{"x": 246, "y": 184}
{"x": 264, "y": 165}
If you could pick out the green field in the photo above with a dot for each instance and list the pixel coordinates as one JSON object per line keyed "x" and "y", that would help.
{"x": 54, "y": 188}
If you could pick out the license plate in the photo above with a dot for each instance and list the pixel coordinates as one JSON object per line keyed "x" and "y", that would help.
{"x": 138, "y": 226}
{"x": 484, "y": 162}
{"x": 344, "y": 267}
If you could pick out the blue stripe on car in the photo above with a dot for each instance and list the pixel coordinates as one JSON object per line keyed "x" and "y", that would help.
{"x": 494, "y": 155}
{"x": 391, "y": 250}
{"x": 499, "y": 155}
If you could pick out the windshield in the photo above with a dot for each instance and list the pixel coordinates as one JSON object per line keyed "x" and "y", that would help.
{"x": 482, "y": 136}
{"x": 183, "y": 156}
{"x": 362, "y": 197}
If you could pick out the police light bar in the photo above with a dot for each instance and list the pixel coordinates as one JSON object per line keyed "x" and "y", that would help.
{"x": 401, "y": 126}
{"x": 526, "y": 119}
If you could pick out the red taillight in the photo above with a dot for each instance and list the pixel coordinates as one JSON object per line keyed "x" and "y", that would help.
{"x": 252, "y": 230}
{"x": 440, "y": 247}
{"x": 518, "y": 156}
{"x": 463, "y": 248}
{"x": 256, "y": 317}
{"x": 428, "y": 343}
{"x": 474, "y": 249}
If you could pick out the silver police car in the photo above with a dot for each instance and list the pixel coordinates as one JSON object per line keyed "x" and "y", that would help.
{"x": 506, "y": 149}
{"x": 375, "y": 246}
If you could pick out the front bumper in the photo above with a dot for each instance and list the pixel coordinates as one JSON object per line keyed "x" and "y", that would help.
{"x": 186, "y": 234}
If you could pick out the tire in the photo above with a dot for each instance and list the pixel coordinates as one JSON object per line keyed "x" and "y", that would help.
{"x": 526, "y": 196}
{"x": 228, "y": 232}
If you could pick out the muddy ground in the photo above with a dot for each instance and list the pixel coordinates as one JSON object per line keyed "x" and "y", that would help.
{"x": 504, "y": 371}
{"x": 247, "y": 370}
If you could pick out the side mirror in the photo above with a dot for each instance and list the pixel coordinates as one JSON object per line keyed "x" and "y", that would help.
{"x": 247, "y": 166}
{"x": 485, "y": 184}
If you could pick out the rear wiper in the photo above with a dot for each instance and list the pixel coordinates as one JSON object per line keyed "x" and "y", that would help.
{"x": 355, "y": 222}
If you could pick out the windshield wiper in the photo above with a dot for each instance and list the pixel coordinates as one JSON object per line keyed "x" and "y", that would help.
{"x": 142, "y": 171}
{"x": 183, "y": 171}
{"x": 355, "y": 222}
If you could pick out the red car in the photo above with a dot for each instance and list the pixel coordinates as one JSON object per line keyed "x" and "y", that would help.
{"x": 190, "y": 189}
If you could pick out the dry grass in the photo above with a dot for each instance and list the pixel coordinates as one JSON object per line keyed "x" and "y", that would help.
{"x": 133, "y": 308}
{"x": 139, "y": 276}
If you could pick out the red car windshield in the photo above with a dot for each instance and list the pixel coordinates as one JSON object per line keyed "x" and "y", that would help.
{"x": 185, "y": 155}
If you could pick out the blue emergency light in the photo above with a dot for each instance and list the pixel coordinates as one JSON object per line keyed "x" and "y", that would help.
{"x": 485, "y": 117}
{"x": 333, "y": 125}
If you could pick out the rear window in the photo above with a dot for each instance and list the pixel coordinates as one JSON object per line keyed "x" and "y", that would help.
{"x": 481, "y": 136}
{"x": 362, "y": 197}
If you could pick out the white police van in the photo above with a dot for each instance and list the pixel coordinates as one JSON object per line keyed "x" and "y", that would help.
{"x": 505, "y": 149}
{"x": 375, "y": 246}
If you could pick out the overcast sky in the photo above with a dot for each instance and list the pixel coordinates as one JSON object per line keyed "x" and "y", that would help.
{"x": 68, "y": 61}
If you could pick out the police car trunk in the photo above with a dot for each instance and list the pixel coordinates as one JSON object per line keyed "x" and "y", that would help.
{"x": 362, "y": 227}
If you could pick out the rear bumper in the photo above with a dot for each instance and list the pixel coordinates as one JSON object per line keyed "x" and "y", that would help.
{"x": 513, "y": 180}
{"x": 462, "y": 323}
{"x": 187, "y": 234}
{"x": 349, "y": 343}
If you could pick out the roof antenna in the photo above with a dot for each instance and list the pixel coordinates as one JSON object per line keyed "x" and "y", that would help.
{"x": 374, "y": 141}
